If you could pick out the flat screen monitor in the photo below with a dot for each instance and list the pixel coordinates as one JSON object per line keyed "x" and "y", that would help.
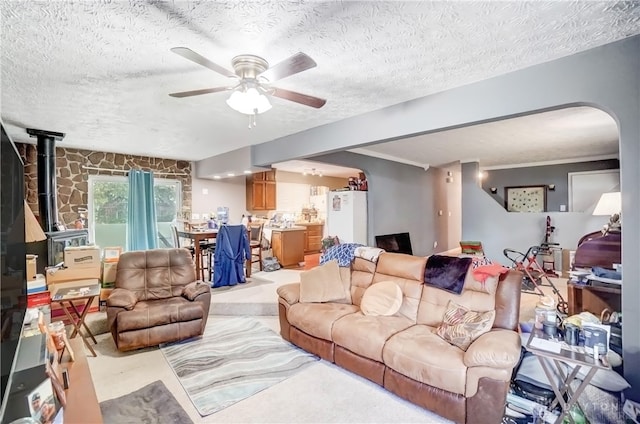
{"x": 397, "y": 243}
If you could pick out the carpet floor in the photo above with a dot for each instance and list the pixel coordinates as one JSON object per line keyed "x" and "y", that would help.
{"x": 234, "y": 359}
{"x": 151, "y": 404}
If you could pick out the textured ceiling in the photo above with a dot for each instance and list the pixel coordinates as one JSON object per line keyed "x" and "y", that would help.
{"x": 571, "y": 134}
{"x": 101, "y": 71}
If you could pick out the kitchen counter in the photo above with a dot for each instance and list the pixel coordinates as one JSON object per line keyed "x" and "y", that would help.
{"x": 288, "y": 245}
{"x": 294, "y": 228}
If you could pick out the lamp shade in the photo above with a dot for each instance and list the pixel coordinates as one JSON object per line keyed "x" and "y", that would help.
{"x": 609, "y": 204}
{"x": 249, "y": 101}
{"x": 32, "y": 229}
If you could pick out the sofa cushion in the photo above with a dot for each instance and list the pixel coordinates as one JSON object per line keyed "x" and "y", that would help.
{"x": 383, "y": 298}
{"x": 321, "y": 284}
{"x": 407, "y": 272}
{"x": 422, "y": 355}
{"x": 362, "y": 272}
{"x": 152, "y": 313}
{"x": 461, "y": 326}
{"x": 317, "y": 319}
{"x": 367, "y": 335}
{"x": 345, "y": 277}
{"x": 433, "y": 303}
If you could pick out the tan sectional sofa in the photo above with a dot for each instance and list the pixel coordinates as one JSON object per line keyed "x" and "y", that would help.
{"x": 402, "y": 352}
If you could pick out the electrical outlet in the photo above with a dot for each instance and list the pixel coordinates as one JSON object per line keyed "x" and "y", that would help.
{"x": 563, "y": 208}
{"x": 435, "y": 244}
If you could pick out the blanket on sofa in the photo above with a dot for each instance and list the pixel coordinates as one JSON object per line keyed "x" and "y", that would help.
{"x": 343, "y": 253}
{"x": 446, "y": 272}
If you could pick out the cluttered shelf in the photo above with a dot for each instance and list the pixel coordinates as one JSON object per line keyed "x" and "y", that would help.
{"x": 593, "y": 293}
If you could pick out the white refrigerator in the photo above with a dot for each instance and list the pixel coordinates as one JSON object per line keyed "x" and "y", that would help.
{"x": 347, "y": 216}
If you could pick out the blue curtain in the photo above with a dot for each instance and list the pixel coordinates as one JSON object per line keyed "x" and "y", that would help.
{"x": 142, "y": 232}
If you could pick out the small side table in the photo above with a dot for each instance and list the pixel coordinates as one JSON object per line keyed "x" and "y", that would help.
{"x": 568, "y": 354}
{"x": 65, "y": 296}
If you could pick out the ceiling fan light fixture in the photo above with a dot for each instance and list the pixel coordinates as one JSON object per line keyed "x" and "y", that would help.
{"x": 249, "y": 101}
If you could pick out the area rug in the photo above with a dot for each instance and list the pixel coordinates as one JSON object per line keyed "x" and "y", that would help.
{"x": 153, "y": 403}
{"x": 235, "y": 359}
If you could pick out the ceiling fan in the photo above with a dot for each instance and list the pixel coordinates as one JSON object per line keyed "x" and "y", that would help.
{"x": 254, "y": 77}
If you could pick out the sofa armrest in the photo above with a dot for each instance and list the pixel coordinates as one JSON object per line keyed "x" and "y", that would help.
{"x": 496, "y": 349}
{"x": 192, "y": 290}
{"x": 290, "y": 293}
{"x": 122, "y": 298}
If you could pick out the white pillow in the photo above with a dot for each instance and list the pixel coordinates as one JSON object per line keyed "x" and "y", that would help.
{"x": 382, "y": 298}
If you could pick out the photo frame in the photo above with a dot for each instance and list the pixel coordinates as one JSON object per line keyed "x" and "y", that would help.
{"x": 111, "y": 254}
{"x": 526, "y": 198}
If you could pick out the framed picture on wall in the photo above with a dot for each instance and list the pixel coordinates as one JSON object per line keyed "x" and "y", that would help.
{"x": 526, "y": 198}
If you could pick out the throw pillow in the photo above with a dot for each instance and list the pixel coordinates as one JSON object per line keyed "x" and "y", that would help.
{"x": 321, "y": 284}
{"x": 381, "y": 298}
{"x": 461, "y": 326}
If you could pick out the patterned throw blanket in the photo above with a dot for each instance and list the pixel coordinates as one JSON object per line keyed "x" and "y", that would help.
{"x": 446, "y": 272}
{"x": 343, "y": 253}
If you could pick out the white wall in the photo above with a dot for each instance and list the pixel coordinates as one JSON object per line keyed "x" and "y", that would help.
{"x": 207, "y": 195}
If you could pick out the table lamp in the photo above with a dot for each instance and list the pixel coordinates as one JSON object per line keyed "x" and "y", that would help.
{"x": 610, "y": 204}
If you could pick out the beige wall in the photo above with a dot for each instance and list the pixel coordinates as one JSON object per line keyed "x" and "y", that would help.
{"x": 207, "y": 195}
{"x": 71, "y": 179}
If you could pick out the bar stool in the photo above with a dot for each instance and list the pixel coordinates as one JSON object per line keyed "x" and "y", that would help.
{"x": 255, "y": 243}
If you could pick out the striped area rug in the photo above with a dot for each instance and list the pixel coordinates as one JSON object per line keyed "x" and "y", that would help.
{"x": 235, "y": 359}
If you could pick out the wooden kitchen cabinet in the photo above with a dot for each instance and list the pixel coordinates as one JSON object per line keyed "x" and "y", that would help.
{"x": 313, "y": 238}
{"x": 261, "y": 191}
{"x": 288, "y": 246}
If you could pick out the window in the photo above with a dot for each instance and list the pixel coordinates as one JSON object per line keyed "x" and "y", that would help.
{"x": 108, "y": 197}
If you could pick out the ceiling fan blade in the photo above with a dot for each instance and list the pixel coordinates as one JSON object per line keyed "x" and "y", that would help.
{"x": 299, "y": 98}
{"x": 201, "y": 60}
{"x": 199, "y": 92}
{"x": 297, "y": 63}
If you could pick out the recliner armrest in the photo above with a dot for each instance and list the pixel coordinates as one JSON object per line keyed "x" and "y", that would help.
{"x": 122, "y": 298}
{"x": 290, "y": 293}
{"x": 496, "y": 349}
{"x": 192, "y": 290}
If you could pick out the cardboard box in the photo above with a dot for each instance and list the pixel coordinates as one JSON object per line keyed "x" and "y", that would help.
{"x": 39, "y": 284}
{"x": 31, "y": 267}
{"x": 63, "y": 275}
{"x": 111, "y": 254}
{"x": 104, "y": 294}
{"x": 38, "y": 299}
{"x": 109, "y": 270}
{"x": 82, "y": 257}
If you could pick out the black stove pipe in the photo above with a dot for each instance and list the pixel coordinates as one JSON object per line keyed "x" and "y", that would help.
{"x": 47, "y": 199}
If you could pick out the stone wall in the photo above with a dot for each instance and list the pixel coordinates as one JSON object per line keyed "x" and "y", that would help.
{"x": 72, "y": 179}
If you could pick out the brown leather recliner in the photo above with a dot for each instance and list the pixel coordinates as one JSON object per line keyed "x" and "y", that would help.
{"x": 156, "y": 299}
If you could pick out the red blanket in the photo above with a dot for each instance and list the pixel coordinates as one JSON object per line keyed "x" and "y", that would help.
{"x": 483, "y": 272}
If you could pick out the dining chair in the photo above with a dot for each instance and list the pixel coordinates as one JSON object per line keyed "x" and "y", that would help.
{"x": 207, "y": 250}
{"x": 255, "y": 243}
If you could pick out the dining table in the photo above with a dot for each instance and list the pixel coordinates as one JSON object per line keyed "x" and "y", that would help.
{"x": 198, "y": 236}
